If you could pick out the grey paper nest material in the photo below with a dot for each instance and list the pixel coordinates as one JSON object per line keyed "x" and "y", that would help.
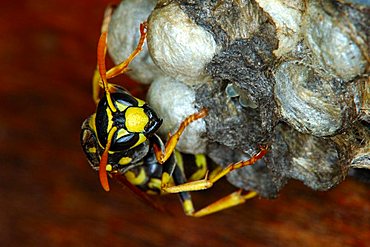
{"x": 290, "y": 74}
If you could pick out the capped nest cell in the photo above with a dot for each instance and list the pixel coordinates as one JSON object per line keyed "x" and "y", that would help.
{"x": 292, "y": 75}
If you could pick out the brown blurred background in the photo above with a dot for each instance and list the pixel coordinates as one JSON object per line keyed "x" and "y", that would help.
{"x": 49, "y": 196}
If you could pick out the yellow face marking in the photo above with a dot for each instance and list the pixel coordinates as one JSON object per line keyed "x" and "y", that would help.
{"x": 140, "y": 102}
{"x": 136, "y": 119}
{"x": 108, "y": 168}
{"x": 124, "y": 161}
{"x": 142, "y": 139}
{"x": 92, "y": 150}
{"x": 92, "y": 122}
{"x": 121, "y": 107}
{"x": 110, "y": 117}
{"x": 110, "y": 103}
{"x": 136, "y": 180}
{"x": 121, "y": 133}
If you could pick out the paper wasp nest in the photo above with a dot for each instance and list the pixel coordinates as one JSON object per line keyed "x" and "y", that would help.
{"x": 290, "y": 74}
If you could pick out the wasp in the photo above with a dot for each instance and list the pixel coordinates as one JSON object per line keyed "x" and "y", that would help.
{"x": 120, "y": 139}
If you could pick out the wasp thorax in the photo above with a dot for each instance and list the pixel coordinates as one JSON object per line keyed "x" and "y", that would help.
{"x": 133, "y": 120}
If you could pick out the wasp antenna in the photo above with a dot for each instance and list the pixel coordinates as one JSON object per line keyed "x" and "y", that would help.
{"x": 102, "y": 50}
{"x": 103, "y": 171}
{"x": 107, "y": 17}
{"x": 104, "y": 161}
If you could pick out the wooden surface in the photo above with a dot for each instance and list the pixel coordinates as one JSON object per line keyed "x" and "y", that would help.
{"x": 51, "y": 197}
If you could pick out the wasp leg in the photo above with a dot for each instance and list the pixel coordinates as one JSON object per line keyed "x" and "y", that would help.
{"x": 185, "y": 197}
{"x": 96, "y": 80}
{"x": 107, "y": 17}
{"x": 122, "y": 67}
{"x": 208, "y": 182}
{"x": 163, "y": 155}
{"x": 229, "y": 201}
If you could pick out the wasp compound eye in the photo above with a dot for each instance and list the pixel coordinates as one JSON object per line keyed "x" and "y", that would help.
{"x": 123, "y": 99}
{"x": 123, "y": 140}
{"x": 154, "y": 121}
{"x": 89, "y": 143}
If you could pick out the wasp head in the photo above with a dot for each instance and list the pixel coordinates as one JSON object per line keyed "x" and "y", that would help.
{"x": 132, "y": 118}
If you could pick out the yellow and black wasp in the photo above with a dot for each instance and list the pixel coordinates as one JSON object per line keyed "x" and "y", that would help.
{"x": 120, "y": 139}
